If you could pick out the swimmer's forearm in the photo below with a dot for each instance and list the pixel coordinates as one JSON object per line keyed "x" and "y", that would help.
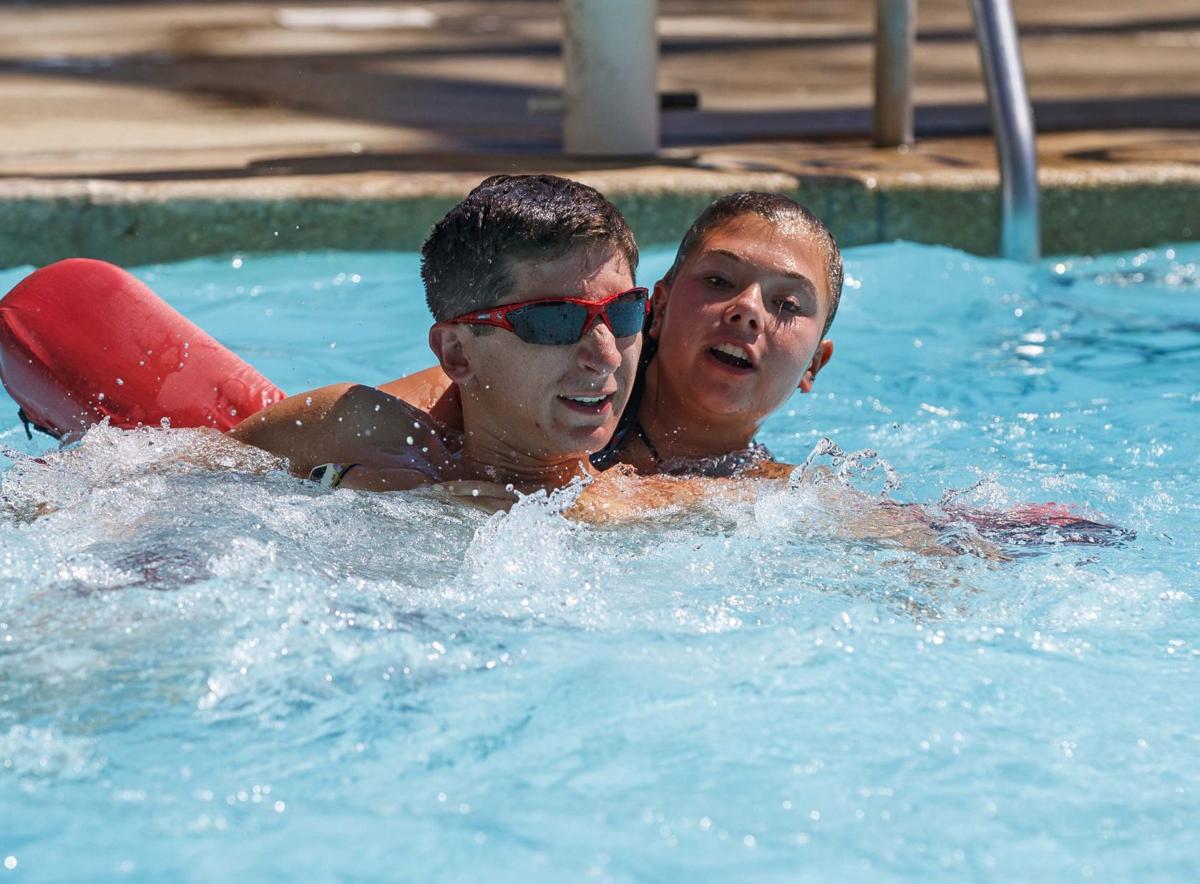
{"x": 365, "y": 478}
{"x": 297, "y": 428}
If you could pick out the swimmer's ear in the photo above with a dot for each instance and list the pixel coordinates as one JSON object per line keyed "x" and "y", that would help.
{"x": 820, "y": 359}
{"x": 658, "y": 306}
{"x": 446, "y": 342}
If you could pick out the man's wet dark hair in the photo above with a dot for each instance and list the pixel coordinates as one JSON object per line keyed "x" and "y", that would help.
{"x": 777, "y": 209}
{"x": 467, "y": 261}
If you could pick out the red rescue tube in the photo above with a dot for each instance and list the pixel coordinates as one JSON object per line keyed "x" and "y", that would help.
{"x": 83, "y": 340}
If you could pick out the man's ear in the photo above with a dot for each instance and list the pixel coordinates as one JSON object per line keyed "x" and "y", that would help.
{"x": 820, "y": 359}
{"x": 658, "y": 307}
{"x": 446, "y": 342}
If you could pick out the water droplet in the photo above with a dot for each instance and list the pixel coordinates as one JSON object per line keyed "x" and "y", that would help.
{"x": 120, "y": 382}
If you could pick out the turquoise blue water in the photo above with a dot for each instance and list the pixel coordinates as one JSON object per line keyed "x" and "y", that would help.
{"x": 211, "y": 676}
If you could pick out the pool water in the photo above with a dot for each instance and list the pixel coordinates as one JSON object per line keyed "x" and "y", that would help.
{"x": 225, "y": 675}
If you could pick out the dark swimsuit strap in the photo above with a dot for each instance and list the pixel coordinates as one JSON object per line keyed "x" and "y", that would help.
{"x": 645, "y": 437}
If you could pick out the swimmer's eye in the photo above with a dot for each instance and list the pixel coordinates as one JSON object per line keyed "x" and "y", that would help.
{"x": 790, "y": 307}
{"x": 718, "y": 281}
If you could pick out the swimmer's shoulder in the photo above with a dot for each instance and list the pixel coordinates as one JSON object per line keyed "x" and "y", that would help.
{"x": 431, "y": 391}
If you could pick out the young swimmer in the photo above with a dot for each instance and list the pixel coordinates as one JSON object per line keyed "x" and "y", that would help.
{"x": 538, "y": 324}
{"x": 739, "y": 323}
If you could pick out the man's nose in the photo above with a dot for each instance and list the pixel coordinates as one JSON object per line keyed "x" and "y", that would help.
{"x": 597, "y": 349}
{"x": 746, "y": 308}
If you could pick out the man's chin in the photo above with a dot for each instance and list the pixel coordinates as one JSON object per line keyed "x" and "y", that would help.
{"x": 583, "y": 441}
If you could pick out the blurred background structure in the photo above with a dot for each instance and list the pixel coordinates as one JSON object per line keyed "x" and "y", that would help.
{"x": 148, "y": 130}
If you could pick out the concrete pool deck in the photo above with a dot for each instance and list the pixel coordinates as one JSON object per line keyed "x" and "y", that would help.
{"x": 141, "y": 132}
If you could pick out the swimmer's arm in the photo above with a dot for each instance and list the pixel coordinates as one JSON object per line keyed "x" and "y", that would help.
{"x": 619, "y": 495}
{"x": 368, "y": 478}
{"x": 907, "y": 525}
{"x": 346, "y": 423}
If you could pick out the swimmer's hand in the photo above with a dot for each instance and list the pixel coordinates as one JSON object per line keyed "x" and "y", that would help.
{"x": 1031, "y": 524}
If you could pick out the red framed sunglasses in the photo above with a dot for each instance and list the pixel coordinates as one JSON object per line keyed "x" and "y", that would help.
{"x": 562, "y": 321}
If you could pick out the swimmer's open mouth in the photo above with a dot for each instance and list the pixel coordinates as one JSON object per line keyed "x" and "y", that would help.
{"x": 730, "y": 355}
{"x": 590, "y": 404}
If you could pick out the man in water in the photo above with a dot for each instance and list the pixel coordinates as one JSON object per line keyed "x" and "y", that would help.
{"x": 530, "y": 280}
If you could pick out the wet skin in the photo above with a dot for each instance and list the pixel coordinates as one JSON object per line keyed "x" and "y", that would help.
{"x": 520, "y": 402}
{"x": 738, "y": 331}
{"x": 524, "y": 423}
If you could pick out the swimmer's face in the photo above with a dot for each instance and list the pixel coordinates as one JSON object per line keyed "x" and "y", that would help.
{"x": 526, "y": 397}
{"x": 740, "y": 327}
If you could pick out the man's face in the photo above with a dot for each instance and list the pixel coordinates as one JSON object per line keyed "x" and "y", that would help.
{"x": 530, "y": 397}
{"x": 740, "y": 327}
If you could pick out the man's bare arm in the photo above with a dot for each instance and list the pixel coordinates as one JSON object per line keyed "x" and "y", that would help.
{"x": 347, "y": 423}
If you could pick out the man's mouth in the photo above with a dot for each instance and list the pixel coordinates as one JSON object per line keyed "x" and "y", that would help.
{"x": 588, "y": 404}
{"x": 732, "y": 355}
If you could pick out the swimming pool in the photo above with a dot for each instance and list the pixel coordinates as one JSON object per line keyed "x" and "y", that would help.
{"x": 221, "y": 675}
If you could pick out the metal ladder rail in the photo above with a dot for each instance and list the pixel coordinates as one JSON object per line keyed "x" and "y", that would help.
{"x": 1012, "y": 122}
{"x": 1008, "y": 103}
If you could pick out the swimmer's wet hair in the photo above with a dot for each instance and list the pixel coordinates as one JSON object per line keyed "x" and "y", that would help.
{"x": 467, "y": 261}
{"x": 777, "y": 209}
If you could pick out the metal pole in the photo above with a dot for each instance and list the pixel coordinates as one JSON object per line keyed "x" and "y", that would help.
{"x": 610, "y": 54}
{"x": 895, "y": 36}
{"x": 1012, "y": 122}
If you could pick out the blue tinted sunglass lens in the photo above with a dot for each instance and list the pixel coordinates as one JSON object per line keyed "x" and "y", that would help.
{"x": 627, "y": 315}
{"x": 548, "y": 323}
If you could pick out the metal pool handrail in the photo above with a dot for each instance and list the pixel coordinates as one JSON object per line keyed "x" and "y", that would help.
{"x": 1012, "y": 122}
{"x": 1008, "y": 102}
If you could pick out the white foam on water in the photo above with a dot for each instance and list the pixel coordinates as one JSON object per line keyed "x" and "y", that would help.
{"x": 42, "y": 754}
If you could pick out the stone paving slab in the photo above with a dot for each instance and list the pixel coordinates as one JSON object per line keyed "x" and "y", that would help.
{"x": 154, "y": 131}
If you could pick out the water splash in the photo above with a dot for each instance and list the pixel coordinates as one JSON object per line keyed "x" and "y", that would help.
{"x": 858, "y": 469}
